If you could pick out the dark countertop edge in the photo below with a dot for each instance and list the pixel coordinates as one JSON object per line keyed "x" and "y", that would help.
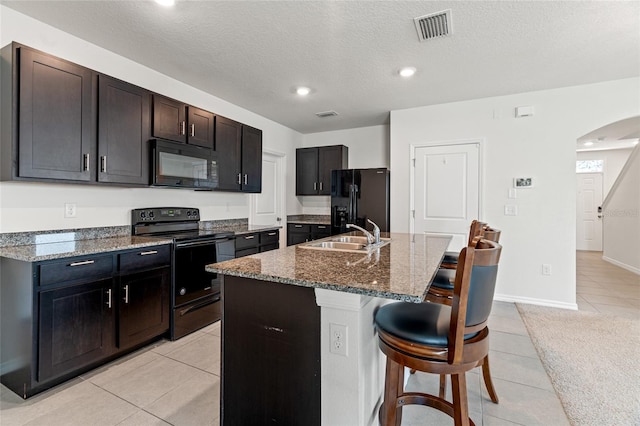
{"x": 253, "y": 228}
{"x": 310, "y": 222}
{"x": 10, "y": 252}
{"x": 313, "y": 284}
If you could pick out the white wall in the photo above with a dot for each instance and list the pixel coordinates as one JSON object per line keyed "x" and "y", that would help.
{"x": 621, "y": 245}
{"x": 368, "y": 148}
{"x": 36, "y": 206}
{"x": 614, "y": 160}
{"x": 542, "y": 147}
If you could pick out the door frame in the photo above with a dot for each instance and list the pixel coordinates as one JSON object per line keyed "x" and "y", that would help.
{"x": 281, "y": 158}
{"x": 412, "y": 175}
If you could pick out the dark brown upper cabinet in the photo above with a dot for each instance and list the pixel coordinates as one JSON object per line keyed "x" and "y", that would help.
{"x": 55, "y": 119}
{"x": 124, "y": 130}
{"x": 239, "y": 149}
{"x": 314, "y": 165}
{"x": 183, "y": 123}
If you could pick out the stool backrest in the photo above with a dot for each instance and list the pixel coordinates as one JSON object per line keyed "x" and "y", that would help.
{"x": 476, "y": 229}
{"x": 491, "y": 234}
{"x": 473, "y": 292}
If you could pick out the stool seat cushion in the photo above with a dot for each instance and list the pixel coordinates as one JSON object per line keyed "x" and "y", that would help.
{"x": 421, "y": 323}
{"x": 444, "y": 279}
{"x": 450, "y": 257}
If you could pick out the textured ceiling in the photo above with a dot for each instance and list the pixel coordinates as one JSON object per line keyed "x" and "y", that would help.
{"x": 254, "y": 53}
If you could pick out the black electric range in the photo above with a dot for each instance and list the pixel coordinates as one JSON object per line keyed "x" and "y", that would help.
{"x": 195, "y": 299}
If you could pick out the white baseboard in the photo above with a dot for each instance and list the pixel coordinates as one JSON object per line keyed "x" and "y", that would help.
{"x": 532, "y": 301}
{"x": 622, "y": 265}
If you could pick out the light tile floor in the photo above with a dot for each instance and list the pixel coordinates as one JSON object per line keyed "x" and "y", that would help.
{"x": 178, "y": 382}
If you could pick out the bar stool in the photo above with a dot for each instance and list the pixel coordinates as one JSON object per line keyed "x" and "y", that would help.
{"x": 441, "y": 291}
{"x": 438, "y": 338}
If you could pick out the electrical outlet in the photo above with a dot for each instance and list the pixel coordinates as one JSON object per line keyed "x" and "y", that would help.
{"x": 69, "y": 210}
{"x": 338, "y": 339}
{"x": 546, "y": 269}
{"x": 511, "y": 210}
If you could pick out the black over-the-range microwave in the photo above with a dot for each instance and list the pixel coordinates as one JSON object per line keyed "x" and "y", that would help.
{"x": 183, "y": 166}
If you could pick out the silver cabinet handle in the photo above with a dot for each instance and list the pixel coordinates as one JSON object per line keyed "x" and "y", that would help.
{"x": 245, "y": 179}
{"x": 271, "y": 234}
{"x": 315, "y": 186}
{"x": 239, "y": 177}
{"x": 85, "y": 166}
{"x": 84, "y": 262}
{"x": 320, "y": 186}
{"x": 126, "y": 293}
{"x": 249, "y": 237}
{"x": 109, "y": 298}
{"x": 193, "y": 130}
{"x": 297, "y": 226}
{"x": 147, "y": 253}
{"x": 103, "y": 164}
{"x": 322, "y": 227}
{"x": 182, "y": 128}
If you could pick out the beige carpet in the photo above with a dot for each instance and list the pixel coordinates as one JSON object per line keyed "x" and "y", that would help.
{"x": 593, "y": 361}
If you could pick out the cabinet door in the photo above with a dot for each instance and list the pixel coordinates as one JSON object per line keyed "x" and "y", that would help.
{"x": 57, "y": 118}
{"x": 320, "y": 231}
{"x": 298, "y": 233}
{"x": 306, "y": 171}
{"x": 144, "y": 306}
{"x": 228, "y": 143}
{"x": 271, "y": 354}
{"x": 169, "y": 119}
{"x": 75, "y": 326}
{"x": 200, "y": 125}
{"x": 329, "y": 158}
{"x": 251, "y": 159}
{"x": 123, "y": 132}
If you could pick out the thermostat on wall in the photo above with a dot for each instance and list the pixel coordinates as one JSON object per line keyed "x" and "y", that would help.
{"x": 523, "y": 182}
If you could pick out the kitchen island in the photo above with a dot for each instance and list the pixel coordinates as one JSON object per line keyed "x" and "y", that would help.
{"x": 298, "y": 341}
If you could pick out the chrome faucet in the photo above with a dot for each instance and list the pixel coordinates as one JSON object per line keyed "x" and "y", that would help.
{"x": 372, "y": 239}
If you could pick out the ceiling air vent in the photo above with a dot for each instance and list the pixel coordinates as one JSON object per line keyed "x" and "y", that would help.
{"x": 434, "y": 25}
{"x": 326, "y": 114}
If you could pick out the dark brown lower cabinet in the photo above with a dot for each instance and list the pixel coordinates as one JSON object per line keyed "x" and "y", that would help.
{"x": 144, "y": 304}
{"x": 270, "y": 354}
{"x": 76, "y": 327}
{"x": 59, "y": 318}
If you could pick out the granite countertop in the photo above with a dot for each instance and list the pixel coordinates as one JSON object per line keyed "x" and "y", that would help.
{"x": 62, "y": 249}
{"x": 310, "y": 219}
{"x": 400, "y": 270}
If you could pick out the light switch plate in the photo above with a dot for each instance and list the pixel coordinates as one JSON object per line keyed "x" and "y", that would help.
{"x": 513, "y": 193}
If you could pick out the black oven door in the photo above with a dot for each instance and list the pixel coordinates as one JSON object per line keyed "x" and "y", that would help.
{"x": 192, "y": 282}
{"x": 183, "y": 166}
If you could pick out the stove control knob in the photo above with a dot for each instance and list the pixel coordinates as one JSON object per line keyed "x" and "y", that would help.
{"x": 183, "y": 291}
{"x": 151, "y": 214}
{"x": 188, "y": 213}
{"x": 143, "y": 215}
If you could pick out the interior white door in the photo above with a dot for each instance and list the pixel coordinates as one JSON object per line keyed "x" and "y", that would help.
{"x": 268, "y": 206}
{"x": 447, "y": 190}
{"x": 589, "y": 220}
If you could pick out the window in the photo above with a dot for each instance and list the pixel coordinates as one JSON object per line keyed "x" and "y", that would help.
{"x": 589, "y": 166}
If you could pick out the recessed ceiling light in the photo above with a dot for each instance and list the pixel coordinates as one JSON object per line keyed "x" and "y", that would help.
{"x": 303, "y": 91}
{"x": 588, "y": 143}
{"x": 166, "y": 3}
{"x": 407, "y": 71}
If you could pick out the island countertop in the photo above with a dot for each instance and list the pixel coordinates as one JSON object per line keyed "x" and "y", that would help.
{"x": 399, "y": 270}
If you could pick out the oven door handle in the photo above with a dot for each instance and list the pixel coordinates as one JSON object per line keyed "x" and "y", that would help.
{"x": 197, "y": 306}
{"x": 203, "y": 242}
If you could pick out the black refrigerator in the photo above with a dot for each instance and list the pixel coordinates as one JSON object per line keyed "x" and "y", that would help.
{"x": 358, "y": 195}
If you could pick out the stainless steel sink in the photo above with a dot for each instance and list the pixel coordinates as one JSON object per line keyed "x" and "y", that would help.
{"x": 351, "y": 244}
{"x": 351, "y": 239}
{"x": 337, "y": 245}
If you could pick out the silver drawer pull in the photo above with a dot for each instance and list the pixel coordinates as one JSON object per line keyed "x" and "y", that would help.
{"x": 84, "y": 262}
{"x": 322, "y": 227}
{"x": 271, "y": 234}
{"x": 250, "y": 237}
{"x": 146, "y": 253}
{"x": 297, "y": 226}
